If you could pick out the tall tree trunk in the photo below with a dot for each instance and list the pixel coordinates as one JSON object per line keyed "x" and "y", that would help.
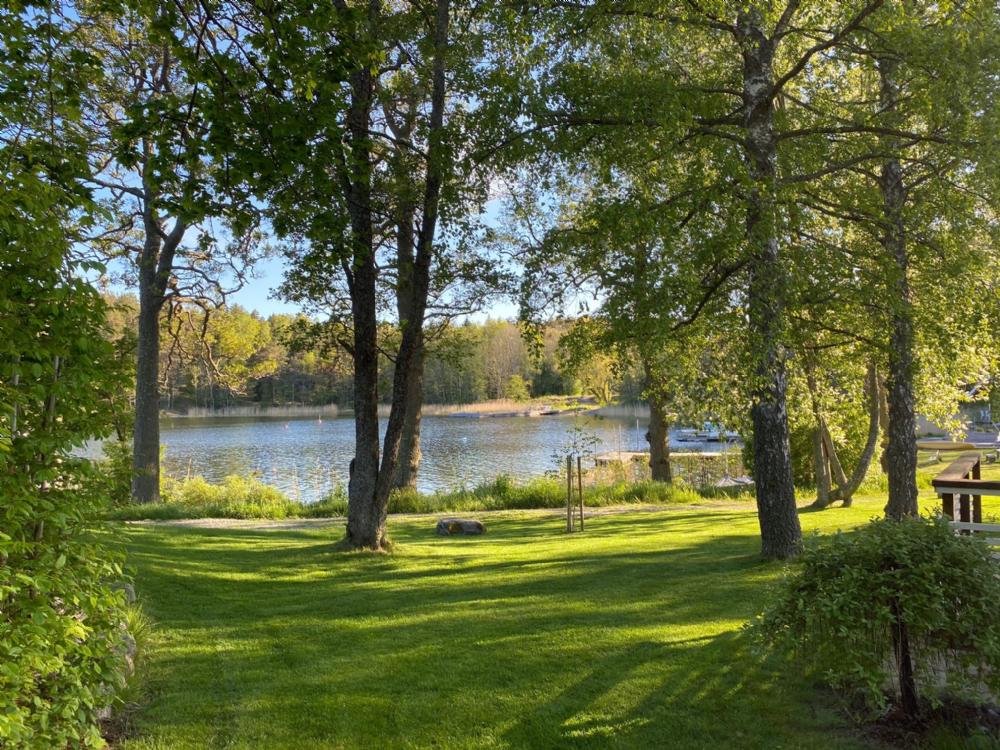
{"x": 901, "y": 450}
{"x": 659, "y": 442}
{"x": 658, "y": 434}
{"x": 409, "y": 443}
{"x": 826, "y": 466}
{"x": 411, "y": 346}
{"x": 837, "y": 473}
{"x": 365, "y": 514}
{"x": 156, "y": 263}
{"x": 845, "y": 486}
{"x": 781, "y": 535}
{"x": 821, "y": 469}
{"x": 408, "y": 463}
{"x": 146, "y": 431}
{"x": 372, "y": 479}
{"x": 846, "y": 491}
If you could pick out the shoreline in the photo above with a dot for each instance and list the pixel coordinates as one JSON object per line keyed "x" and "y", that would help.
{"x": 535, "y": 408}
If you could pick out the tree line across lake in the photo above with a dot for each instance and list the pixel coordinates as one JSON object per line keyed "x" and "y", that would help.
{"x": 231, "y": 356}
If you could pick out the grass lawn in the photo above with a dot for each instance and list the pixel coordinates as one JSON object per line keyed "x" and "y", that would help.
{"x": 627, "y": 635}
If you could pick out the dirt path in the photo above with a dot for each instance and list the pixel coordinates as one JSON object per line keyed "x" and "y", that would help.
{"x": 320, "y": 523}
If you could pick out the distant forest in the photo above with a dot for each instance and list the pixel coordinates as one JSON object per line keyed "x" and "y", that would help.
{"x": 231, "y": 356}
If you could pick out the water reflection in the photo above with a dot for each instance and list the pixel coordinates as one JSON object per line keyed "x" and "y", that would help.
{"x": 307, "y": 458}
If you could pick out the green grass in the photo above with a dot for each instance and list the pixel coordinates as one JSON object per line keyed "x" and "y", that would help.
{"x": 625, "y": 636}
{"x": 239, "y": 497}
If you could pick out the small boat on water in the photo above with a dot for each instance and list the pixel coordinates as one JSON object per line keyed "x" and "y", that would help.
{"x": 707, "y": 434}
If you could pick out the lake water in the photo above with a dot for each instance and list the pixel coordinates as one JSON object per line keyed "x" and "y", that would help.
{"x": 306, "y": 458}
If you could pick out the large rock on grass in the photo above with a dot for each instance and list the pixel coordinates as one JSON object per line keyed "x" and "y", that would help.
{"x": 460, "y": 527}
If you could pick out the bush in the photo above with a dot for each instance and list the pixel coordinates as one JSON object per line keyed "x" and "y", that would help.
{"x": 61, "y": 656}
{"x": 239, "y": 497}
{"x": 116, "y": 471}
{"x": 236, "y": 497}
{"x": 517, "y": 388}
{"x": 901, "y": 603}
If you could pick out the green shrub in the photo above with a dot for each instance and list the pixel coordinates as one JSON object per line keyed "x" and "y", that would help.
{"x": 517, "y": 389}
{"x": 116, "y": 472}
{"x": 896, "y": 603}
{"x": 61, "y": 657}
{"x": 333, "y": 504}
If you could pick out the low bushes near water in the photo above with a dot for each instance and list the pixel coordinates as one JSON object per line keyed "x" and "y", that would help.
{"x": 242, "y": 497}
{"x": 235, "y": 497}
{"x": 898, "y": 615}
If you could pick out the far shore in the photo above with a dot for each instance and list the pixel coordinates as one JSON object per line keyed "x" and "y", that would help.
{"x": 538, "y": 407}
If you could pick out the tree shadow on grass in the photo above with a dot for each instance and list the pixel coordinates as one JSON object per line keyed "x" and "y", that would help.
{"x": 604, "y": 639}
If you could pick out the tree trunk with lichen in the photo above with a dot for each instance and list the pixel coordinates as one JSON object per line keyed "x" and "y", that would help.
{"x": 901, "y": 448}
{"x": 366, "y": 515}
{"x": 781, "y": 534}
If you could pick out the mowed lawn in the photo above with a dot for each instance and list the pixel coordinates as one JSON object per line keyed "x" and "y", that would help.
{"x": 625, "y": 636}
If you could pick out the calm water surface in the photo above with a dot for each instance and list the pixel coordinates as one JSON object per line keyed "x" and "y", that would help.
{"x": 307, "y": 458}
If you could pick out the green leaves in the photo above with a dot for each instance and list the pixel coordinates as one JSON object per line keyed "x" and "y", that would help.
{"x": 837, "y": 610}
{"x": 59, "y": 621}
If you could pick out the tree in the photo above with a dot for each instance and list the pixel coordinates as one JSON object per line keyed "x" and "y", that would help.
{"x": 323, "y": 100}
{"x": 762, "y": 107}
{"x": 723, "y": 116}
{"x": 913, "y": 126}
{"x": 504, "y": 357}
{"x": 898, "y": 180}
{"x": 148, "y": 159}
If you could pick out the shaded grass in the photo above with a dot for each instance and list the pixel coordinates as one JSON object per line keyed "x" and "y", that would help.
{"x": 625, "y": 636}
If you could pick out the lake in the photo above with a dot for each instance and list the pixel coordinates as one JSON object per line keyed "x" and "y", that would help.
{"x": 306, "y": 458}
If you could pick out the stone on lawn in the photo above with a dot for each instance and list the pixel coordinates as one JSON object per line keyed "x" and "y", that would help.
{"x": 455, "y": 526}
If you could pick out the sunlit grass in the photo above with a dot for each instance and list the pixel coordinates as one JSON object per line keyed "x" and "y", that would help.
{"x": 624, "y": 636}
{"x": 239, "y": 497}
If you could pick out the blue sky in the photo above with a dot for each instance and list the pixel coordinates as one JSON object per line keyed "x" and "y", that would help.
{"x": 258, "y": 294}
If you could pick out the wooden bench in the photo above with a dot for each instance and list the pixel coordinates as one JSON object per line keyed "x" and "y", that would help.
{"x": 961, "y": 481}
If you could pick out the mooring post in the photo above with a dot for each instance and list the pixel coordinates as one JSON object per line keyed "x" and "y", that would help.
{"x": 569, "y": 494}
{"x": 579, "y": 483}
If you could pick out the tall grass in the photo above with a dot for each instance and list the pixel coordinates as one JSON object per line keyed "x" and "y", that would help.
{"x": 240, "y": 497}
{"x": 235, "y": 497}
{"x": 286, "y": 411}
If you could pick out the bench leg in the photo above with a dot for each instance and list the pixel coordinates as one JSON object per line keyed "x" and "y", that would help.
{"x": 948, "y": 505}
{"x": 964, "y": 510}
